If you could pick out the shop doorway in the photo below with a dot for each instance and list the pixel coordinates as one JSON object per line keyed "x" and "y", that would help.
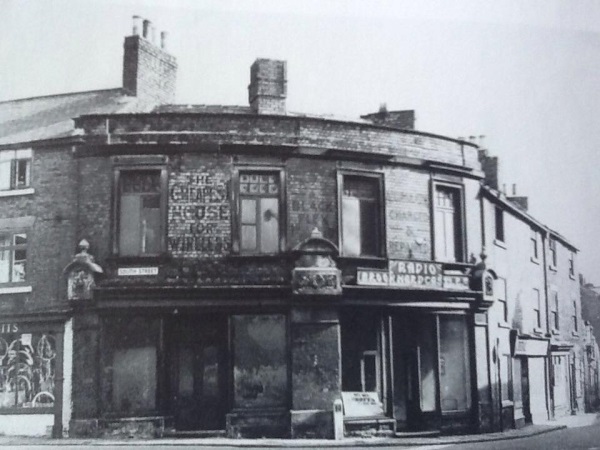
{"x": 197, "y": 364}
{"x": 432, "y": 371}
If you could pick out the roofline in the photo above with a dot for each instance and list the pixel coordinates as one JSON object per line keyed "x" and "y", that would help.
{"x": 280, "y": 116}
{"x": 497, "y": 196}
{"x": 64, "y": 94}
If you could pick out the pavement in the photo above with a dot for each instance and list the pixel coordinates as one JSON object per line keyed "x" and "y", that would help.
{"x": 580, "y": 420}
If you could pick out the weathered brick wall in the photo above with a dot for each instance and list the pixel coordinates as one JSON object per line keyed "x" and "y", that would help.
{"x": 408, "y": 216}
{"x": 284, "y": 130}
{"x": 148, "y": 71}
{"x": 51, "y": 240}
{"x": 199, "y": 207}
{"x": 311, "y": 199}
{"x": 95, "y": 204}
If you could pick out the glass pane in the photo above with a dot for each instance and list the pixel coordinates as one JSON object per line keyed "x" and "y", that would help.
{"x": 260, "y": 370}
{"x": 18, "y": 272}
{"x": 351, "y": 226}
{"x": 427, "y": 364}
{"x": 151, "y": 229}
{"x": 22, "y": 169}
{"x": 454, "y": 364}
{"x": 369, "y": 228}
{"x": 248, "y": 237}
{"x": 20, "y": 239}
{"x": 248, "y": 211}
{"x": 210, "y": 375}
{"x": 130, "y": 221}
{"x": 4, "y": 266}
{"x": 269, "y": 226}
{"x": 5, "y": 174}
{"x": 186, "y": 372}
{"x": 138, "y": 182}
{"x": 517, "y": 387}
{"x": 369, "y": 371}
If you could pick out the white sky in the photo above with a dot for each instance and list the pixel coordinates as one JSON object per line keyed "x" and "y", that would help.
{"x": 526, "y": 74}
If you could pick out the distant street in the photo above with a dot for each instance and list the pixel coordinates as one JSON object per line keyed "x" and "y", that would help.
{"x": 568, "y": 439}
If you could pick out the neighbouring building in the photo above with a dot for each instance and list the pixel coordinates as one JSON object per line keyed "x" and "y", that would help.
{"x": 243, "y": 270}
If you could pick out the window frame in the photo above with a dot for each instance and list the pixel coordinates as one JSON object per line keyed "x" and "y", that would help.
{"x": 18, "y": 155}
{"x": 537, "y": 308}
{"x": 462, "y": 232}
{"x": 535, "y": 248}
{"x": 135, "y": 165}
{"x": 12, "y": 248}
{"x": 572, "y": 265}
{"x": 555, "y": 311}
{"x": 380, "y": 179}
{"x": 502, "y": 289}
{"x": 499, "y": 230}
{"x": 236, "y": 213}
{"x": 553, "y": 253}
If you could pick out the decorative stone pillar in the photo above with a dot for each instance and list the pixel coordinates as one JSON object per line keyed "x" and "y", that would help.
{"x": 315, "y": 333}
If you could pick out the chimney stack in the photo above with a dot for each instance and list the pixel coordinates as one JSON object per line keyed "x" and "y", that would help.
{"x": 268, "y": 86}
{"x": 149, "y": 72}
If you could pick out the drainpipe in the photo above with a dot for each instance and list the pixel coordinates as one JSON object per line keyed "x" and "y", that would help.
{"x": 551, "y": 374}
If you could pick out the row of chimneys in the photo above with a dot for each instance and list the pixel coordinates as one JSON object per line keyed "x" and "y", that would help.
{"x": 148, "y": 31}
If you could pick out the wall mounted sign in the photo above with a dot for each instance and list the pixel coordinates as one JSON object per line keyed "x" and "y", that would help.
{"x": 530, "y": 347}
{"x": 413, "y": 274}
{"x": 137, "y": 271}
{"x": 362, "y": 404}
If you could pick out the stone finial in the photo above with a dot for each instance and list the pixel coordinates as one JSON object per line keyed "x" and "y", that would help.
{"x": 316, "y": 233}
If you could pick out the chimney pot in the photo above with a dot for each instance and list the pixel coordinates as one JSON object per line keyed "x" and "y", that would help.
{"x": 163, "y": 39}
{"x": 136, "y": 25}
{"x": 146, "y": 28}
{"x": 152, "y": 33}
{"x": 514, "y": 189}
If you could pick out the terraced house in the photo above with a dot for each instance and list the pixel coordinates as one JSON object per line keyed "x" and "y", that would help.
{"x": 249, "y": 271}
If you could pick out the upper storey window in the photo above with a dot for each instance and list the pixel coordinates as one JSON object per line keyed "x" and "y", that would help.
{"x": 141, "y": 212}
{"x": 499, "y": 222}
{"x": 259, "y": 211}
{"x": 15, "y": 169}
{"x": 448, "y": 223}
{"x": 361, "y": 222}
{"x": 13, "y": 257}
{"x": 553, "y": 255}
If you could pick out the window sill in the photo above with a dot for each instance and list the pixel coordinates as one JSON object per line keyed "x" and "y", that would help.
{"x": 535, "y": 260}
{"x": 17, "y": 192}
{"x": 507, "y": 403}
{"x": 504, "y": 325}
{"x": 571, "y": 276}
{"x": 500, "y": 244}
{"x": 555, "y": 332}
{"x": 574, "y": 333}
{"x": 552, "y": 268}
{"x": 23, "y": 410}
{"x": 15, "y": 290}
{"x": 537, "y": 330}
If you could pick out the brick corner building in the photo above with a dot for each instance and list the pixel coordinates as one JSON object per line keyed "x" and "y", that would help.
{"x": 243, "y": 270}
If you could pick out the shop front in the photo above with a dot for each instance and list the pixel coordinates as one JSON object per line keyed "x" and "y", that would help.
{"x": 531, "y": 357}
{"x": 194, "y": 372}
{"x": 31, "y": 376}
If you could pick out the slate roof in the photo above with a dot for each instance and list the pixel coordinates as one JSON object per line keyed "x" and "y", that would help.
{"x": 50, "y": 117}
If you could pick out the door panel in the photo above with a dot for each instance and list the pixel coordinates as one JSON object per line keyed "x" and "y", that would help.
{"x": 199, "y": 375}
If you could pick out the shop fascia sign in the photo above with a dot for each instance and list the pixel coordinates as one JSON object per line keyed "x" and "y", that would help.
{"x": 413, "y": 274}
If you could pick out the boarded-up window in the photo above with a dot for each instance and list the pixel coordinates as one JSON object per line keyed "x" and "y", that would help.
{"x": 130, "y": 366}
{"x": 361, "y": 216}
{"x": 260, "y": 369}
